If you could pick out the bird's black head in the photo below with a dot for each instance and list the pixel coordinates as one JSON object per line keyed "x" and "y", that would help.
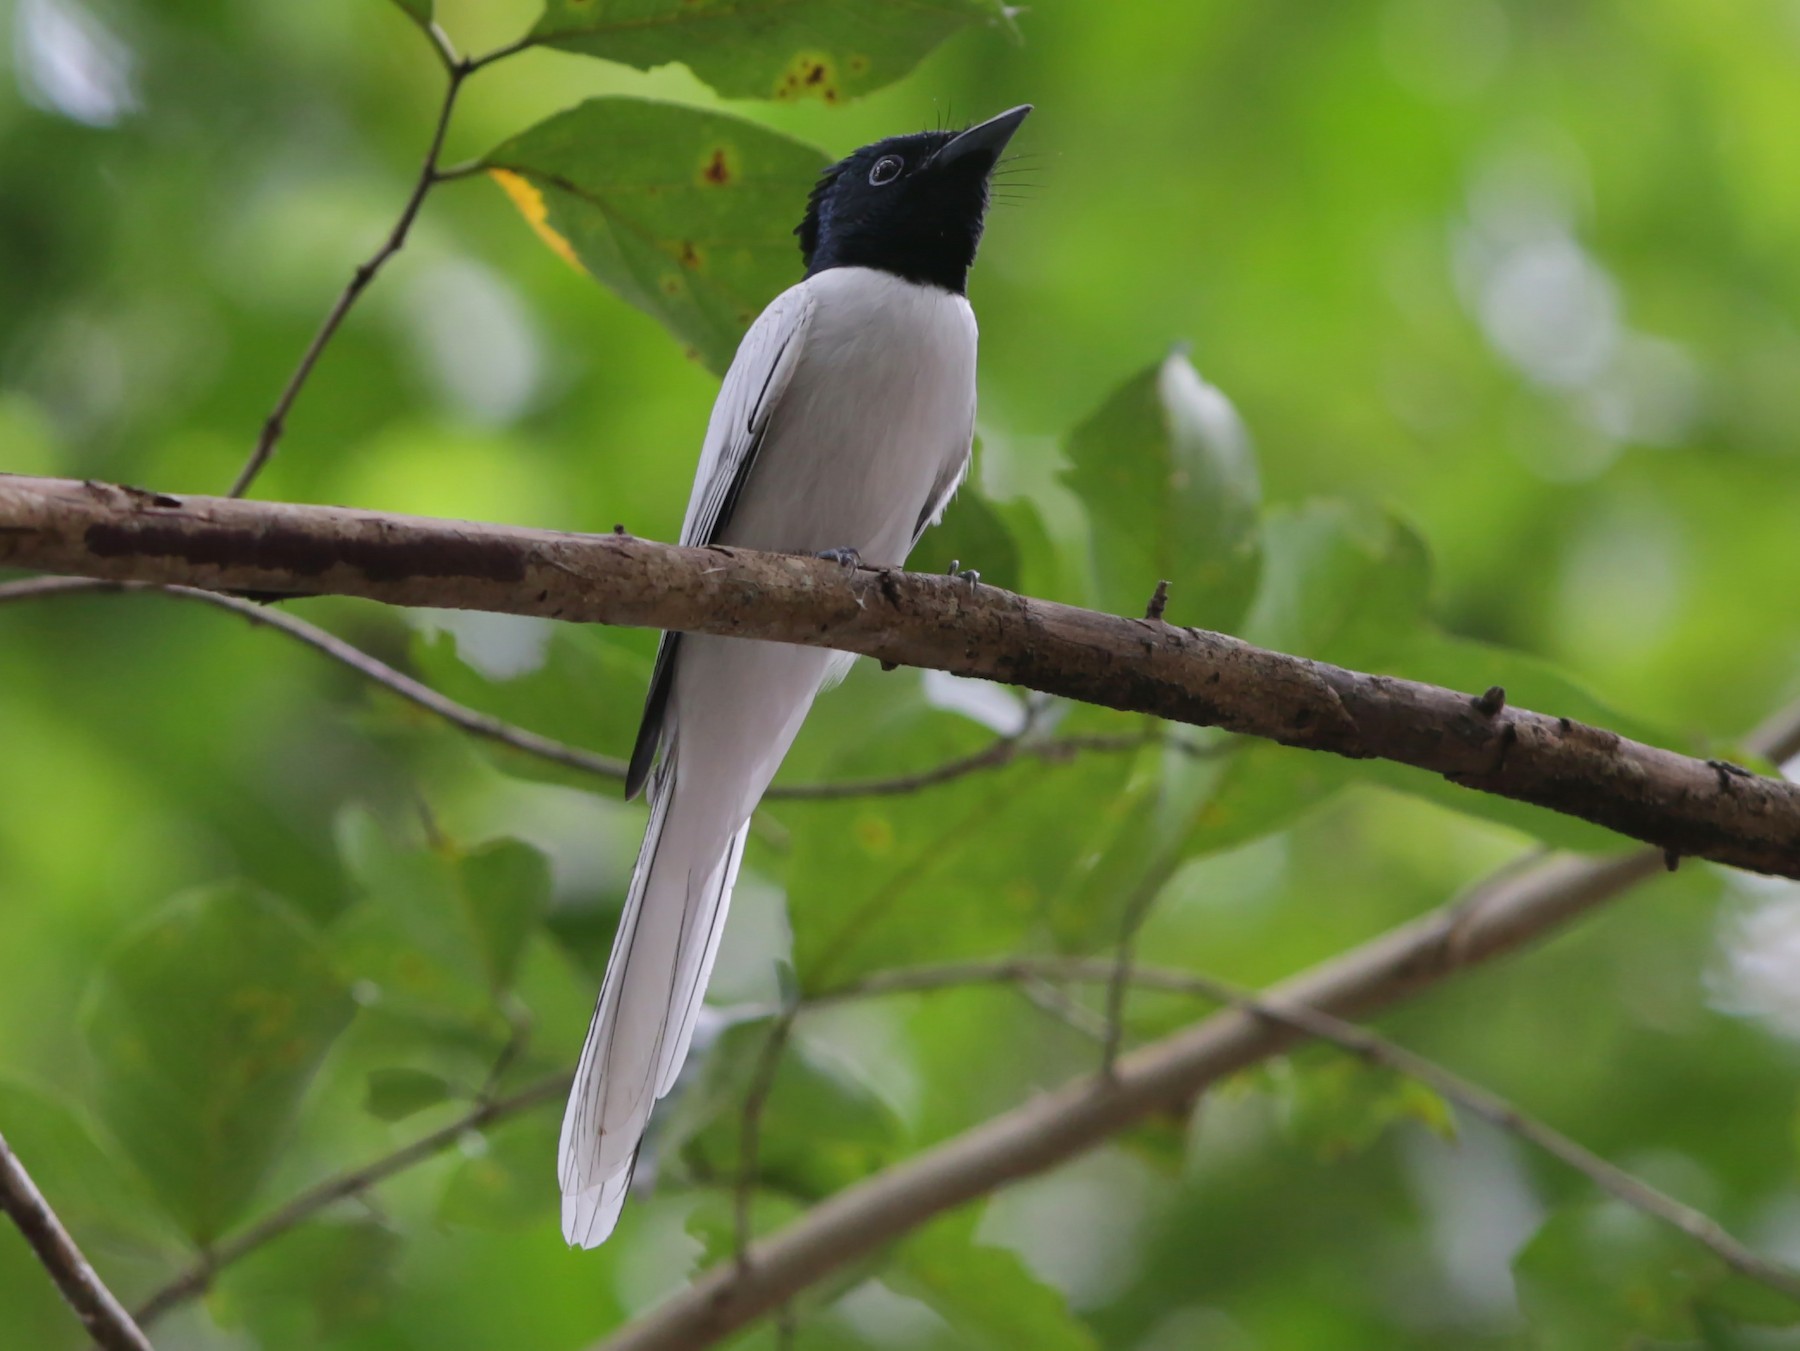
{"x": 909, "y": 205}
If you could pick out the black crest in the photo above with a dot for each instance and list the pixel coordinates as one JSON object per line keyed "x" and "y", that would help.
{"x": 910, "y": 205}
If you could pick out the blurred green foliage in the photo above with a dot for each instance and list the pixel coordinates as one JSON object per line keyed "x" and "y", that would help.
{"x": 1503, "y": 292}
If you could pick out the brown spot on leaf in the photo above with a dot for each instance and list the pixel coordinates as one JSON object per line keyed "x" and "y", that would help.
{"x": 718, "y": 169}
{"x": 808, "y": 73}
{"x": 688, "y": 255}
{"x": 859, "y": 65}
{"x": 671, "y": 285}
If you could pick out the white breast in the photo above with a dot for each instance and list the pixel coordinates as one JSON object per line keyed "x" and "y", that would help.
{"x": 875, "y": 426}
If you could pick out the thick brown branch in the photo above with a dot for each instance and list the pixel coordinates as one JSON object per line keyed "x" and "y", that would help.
{"x": 103, "y": 1316}
{"x": 1679, "y": 804}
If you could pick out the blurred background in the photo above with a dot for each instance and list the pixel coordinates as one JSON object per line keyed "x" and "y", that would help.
{"x": 1508, "y": 285}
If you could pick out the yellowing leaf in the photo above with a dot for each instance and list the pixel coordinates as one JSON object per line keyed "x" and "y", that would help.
{"x": 685, "y": 213}
{"x": 530, "y": 202}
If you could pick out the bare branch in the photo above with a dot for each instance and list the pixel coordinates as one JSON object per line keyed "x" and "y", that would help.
{"x": 103, "y": 1316}
{"x": 1677, "y": 803}
{"x": 1002, "y": 751}
{"x": 198, "y": 1278}
{"x": 1511, "y": 909}
{"x": 455, "y": 73}
{"x": 1369, "y": 1046}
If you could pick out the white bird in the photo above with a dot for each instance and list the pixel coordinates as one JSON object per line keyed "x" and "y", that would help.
{"x": 843, "y": 428}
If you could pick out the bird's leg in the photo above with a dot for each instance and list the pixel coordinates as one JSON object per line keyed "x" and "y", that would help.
{"x": 969, "y": 575}
{"x": 844, "y": 558}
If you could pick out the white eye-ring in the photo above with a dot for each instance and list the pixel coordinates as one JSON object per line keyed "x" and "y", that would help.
{"x": 886, "y": 169}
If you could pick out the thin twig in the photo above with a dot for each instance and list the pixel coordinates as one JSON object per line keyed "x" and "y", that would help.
{"x": 104, "y": 1317}
{"x": 197, "y": 1279}
{"x": 1137, "y": 906}
{"x": 501, "y": 53}
{"x": 1609, "y": 1177}
{"x": 762, "y": 1083}
{"x": 373, "y": 669}
{"x": 1030, "y": 972}
{"x": 999, "y": 753}
{"x": 467, "y": 169}
{"x": 519, "y": 1025}
{"x": 1062, "y": 1006}
{"x": 455, "y": 73}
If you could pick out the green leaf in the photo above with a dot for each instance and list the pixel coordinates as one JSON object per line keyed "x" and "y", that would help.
{"x": 829, "y": 49}
{"x": 821, "y": 1127}
{"x": 984, "y": 1292}
{"x": 1341, "y": 582}
{"x": 1739, "y": 1299}
{"x": 511, "y": 1182}
{"x": 206, "y": 1025}
{"x": 1603, "y": 1274}
{"x": 713, "y": 1220}
{"x": 687, "y": 214}
{"x": 1347, "y": 584}
{"x": 438, "y": 929}
{"x": 324, "y": 1278}
{"x": 419, "y": 11}
{"x": 395, "y": 1094}
{"x": 1338, "y": 582}
{"x": 966, "y": 869}
{"x": 588, "y": 692}
{"x": 409, "y": 935}
{"x": 506, "y": 888}
{"x": 1169, "y": 480}
{"x": 89, "y": 1188}
{"x": 1342, "y": 1107}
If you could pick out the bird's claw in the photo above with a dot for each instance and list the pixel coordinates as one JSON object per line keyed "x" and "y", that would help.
{"x": 844, "y": 558}
{"x": 969, "y": 575}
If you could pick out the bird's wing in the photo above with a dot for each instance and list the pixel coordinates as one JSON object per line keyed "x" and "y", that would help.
{"x": 758, "y": 377}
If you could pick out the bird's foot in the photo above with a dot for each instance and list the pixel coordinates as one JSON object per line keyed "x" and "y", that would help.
{"x": 969, "y": 575}
{"x": 844, "y": 558}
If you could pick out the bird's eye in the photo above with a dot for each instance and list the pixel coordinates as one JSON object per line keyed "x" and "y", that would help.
{"x": 886, "y": 169}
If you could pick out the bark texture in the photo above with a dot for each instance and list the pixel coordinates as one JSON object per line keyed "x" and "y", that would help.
{"x": 1681, "y": 805}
